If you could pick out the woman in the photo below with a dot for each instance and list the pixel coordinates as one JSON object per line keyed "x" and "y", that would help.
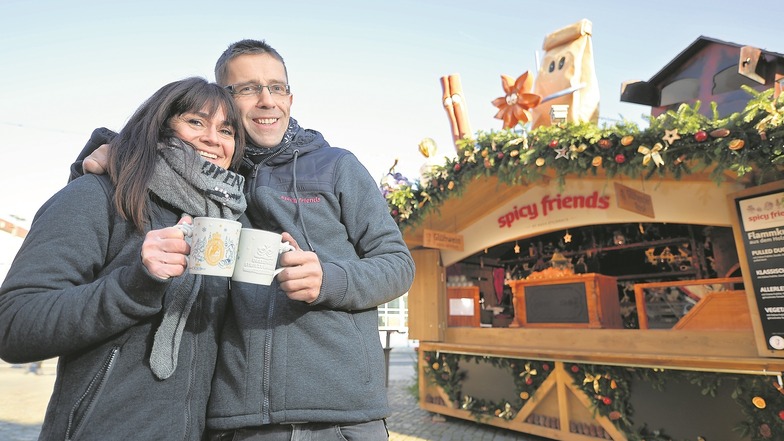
{"x": 100, "y": 280}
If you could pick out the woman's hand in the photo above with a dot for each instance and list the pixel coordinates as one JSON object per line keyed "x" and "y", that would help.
{"x": 165, "y": 251}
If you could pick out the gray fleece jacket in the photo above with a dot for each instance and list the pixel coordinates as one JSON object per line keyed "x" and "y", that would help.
{"x": 77, "y": 290}
{"x": 284, "y": 361}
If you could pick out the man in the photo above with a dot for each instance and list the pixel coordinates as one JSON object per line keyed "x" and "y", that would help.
{"x": 302, "y": 359}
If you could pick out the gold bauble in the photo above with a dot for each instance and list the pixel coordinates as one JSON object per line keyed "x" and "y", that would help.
{"x": 737, "y": 144}
{"x": 427, "y": 147}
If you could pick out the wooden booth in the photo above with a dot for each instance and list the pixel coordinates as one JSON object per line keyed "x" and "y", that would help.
{"x": 590, "y": 356}
{"x": 608, "y": 299}
{"x": 580, "y": 282}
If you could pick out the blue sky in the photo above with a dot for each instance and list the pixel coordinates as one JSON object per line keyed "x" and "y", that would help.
{"x": 364, "y": 73}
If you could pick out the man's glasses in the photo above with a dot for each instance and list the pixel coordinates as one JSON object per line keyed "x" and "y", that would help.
{"x": 256, "y": 89}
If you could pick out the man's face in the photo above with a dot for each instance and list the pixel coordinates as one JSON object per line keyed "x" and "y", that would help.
{"x": 265, "y": 116}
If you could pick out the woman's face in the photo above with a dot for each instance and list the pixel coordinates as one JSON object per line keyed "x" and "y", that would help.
{"x": 212, "y": 137}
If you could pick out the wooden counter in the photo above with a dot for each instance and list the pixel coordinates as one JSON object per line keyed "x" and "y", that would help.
{"x": 709, "y": 351}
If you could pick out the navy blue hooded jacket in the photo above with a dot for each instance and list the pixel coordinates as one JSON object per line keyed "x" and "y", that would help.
{"x": 285, "y": 361}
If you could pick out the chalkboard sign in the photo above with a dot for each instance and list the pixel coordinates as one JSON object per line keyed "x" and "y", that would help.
{"x": 576, "y": 301}
{"x": 563, "y": 303}
{"x": 759, "y": 237}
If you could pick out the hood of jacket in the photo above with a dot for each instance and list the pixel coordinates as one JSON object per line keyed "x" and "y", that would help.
{"x": 305, "y": 140}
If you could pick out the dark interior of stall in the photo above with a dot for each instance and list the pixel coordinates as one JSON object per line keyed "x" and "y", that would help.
{"x": 632, "y": 253}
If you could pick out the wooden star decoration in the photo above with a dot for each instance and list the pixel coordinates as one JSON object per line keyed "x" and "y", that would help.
{"x": 567, "y": 237}
{"x": 671, "y": 136}
{"x": 515, "y": 106}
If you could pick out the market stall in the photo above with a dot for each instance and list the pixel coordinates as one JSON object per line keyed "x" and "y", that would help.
{"x": 570, "y": 363}
{"x": 633, "y": 314}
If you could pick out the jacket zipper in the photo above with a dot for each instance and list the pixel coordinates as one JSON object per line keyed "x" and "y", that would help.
{"x": 264, "y": 162}
{"x": 101, "y": 376}
{"x": 254, "y": 177}
{"x": 266, "y": 416}
{"x": 265, "y": 378}
{"x": 273, "y": 156}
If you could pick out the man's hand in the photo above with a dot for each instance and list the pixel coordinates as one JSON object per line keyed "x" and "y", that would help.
{"x": 97, "y": 162}
{"x": 165, "y": 252}
{"x": 302, "y": 276}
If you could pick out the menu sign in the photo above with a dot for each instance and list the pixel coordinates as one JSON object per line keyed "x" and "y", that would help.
{"x": 761, "y": 232}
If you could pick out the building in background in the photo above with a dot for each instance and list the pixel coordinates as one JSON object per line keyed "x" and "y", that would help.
{"x": 709, "y": 70}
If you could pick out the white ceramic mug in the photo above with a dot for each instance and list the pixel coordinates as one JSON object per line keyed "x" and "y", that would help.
{"x": 214, "y": 244}
{"x": 257, "y": 260}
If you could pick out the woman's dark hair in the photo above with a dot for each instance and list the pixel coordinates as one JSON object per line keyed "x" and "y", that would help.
{"x": 134, "y": 151}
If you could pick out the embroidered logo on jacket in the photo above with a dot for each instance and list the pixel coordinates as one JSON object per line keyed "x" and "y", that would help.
{"x": 312, "y": 200}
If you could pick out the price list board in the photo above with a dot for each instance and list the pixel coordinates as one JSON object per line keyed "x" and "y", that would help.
{"x": 758, "y": 226}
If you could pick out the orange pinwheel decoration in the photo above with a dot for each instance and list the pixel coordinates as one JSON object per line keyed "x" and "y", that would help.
{"x": 519, "y": 100}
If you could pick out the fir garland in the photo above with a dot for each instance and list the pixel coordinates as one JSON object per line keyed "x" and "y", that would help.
{"x": 443, "y": 370}
{"x": 760, "y": 398}
{"x": 749, "y": 145}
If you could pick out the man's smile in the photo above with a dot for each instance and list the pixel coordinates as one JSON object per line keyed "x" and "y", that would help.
{"x": 265, "y": 121}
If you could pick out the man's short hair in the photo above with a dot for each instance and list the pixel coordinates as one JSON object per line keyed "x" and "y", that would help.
{"x": 243, "y": 47}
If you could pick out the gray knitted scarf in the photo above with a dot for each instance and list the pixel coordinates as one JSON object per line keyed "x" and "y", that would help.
{"x": 199, "y": 188}
{"x": 194, "y": 185}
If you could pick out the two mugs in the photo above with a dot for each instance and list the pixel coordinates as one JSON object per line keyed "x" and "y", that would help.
{"x": 221, "y": 247}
